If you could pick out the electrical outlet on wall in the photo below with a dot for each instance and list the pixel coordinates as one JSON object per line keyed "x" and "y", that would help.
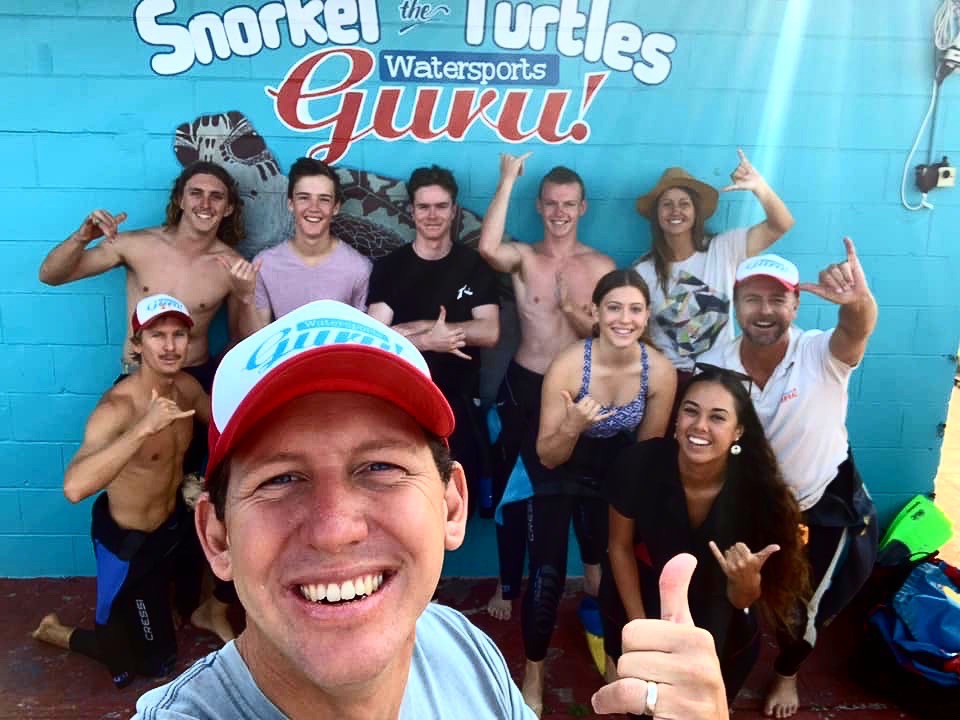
{"x": 946, "y": 175}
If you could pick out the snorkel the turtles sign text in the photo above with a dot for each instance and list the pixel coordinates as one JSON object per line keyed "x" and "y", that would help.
{"x": 513, "y": 89}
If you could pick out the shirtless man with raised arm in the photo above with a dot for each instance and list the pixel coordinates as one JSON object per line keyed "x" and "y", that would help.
{"x": 553, "y": 282}
{"x": 188, "y": 257}
{"x": 133, "y": 449}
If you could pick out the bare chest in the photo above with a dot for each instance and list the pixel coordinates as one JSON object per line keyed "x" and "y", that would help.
{"x": 201, "y": 283}
{"x": 168, "y": 445}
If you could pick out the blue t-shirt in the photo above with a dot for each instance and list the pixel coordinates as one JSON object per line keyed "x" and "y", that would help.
{"x": 456, "y": 672}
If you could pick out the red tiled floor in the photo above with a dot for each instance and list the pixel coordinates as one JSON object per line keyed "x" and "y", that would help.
{"x": 39, "y": 682}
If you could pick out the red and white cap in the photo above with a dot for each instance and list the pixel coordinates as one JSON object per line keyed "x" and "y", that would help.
{"x": 323, "y": 346}
{"x": 154, "y": 307}
{"x": 771, "y": 266}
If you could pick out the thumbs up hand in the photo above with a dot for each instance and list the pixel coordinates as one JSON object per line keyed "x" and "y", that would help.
{"x": 669, "y": 667}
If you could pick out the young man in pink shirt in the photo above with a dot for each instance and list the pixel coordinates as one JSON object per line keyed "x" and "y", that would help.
{"x": 313, "y": 264}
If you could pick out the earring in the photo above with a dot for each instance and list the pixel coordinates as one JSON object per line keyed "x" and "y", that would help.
{"x": 735, "y": 449}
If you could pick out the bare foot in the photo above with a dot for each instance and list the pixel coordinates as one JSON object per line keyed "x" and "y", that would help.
{"x": 212, "y": 617}
{"x": 532, "y": 690}
{"x": 51, "y": 630}
{"x": 782, "y": 699}
{"x": 498, "y": 607}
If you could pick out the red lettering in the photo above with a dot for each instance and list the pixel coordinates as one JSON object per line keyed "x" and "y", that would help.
{"x": 462, "y": 112}
{"x": 295, "y": 96}
{"x": 385, "y": 112}
{"x": 291, "y": 109}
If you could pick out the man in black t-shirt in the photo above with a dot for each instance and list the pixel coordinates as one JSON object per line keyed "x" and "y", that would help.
{"x": 442, "y": 296}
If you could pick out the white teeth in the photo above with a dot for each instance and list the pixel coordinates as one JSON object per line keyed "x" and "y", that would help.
{"x": 697, "y": 441}
{"x": 348, "y": 590}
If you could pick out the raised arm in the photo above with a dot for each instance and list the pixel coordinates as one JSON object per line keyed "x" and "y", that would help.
{"x": 502, "y": 256}
{"x": 111, "y": 439}
{"x": 72, "y": 260}
{"x": 846, "y": 285}
{"x": 778, "y": 217}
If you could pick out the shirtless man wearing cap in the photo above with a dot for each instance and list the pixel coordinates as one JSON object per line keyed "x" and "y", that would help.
{"x": 798, "y": 382}
{"x": 133, "y": 449}
{"x": 189, "y": 257}
{"x": 336, "y": 548}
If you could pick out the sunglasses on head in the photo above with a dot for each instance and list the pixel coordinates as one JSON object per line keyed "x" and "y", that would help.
{"x": 743, "y": 378}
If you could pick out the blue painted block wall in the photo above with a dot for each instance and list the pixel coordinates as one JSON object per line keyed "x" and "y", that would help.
{"x": 824, "y": 97}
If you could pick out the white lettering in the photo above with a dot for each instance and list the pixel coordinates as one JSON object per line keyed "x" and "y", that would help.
{"x": 209, "y": 37}
{"x": 181, "y": 57}
{"x": 570, "y": 20}
{"x": 519, "y": 25}
{"x": 656, "y": 61}
{"x": 623, "y": 40}
{"x": 543, "y": 17}
{"x": 244, "y": 31}
{"x": 476, "y": 19}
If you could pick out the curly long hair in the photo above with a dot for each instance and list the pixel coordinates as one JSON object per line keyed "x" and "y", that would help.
{"x": 767, "y": 511}
{"x": 659, "y": 247}
{"x": 231, "y": 230}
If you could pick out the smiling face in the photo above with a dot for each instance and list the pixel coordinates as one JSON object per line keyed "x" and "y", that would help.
{"x": 162, "y": 345}
{"x": 622, "y": 316}
{"x": 561, "y": 206}
{"x": 335, "y": 547}
{"x": 765, "y": 310}
{"x": 205, "y": 203}
{"x": 707, "y": 423}
{"x": 676, "y": 213}
{"x": 433, "y": 211}
{"x": 313, "y": 203}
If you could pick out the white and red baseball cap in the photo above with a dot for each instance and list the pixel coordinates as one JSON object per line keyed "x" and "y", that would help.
{"x": 771, "y": 266}
{"x": 323, "y": 346}
{"x": 154, "y": 307}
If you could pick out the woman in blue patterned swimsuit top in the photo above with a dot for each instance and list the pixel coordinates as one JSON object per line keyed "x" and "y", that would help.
{"x": 612, "y": 385}
{"x": 599, "y": 396}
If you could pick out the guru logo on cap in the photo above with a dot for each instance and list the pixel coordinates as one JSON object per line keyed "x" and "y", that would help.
{"x": 323, "y": 346}
{"x": 154, "y": 307}
{"x": 771, "y": 266}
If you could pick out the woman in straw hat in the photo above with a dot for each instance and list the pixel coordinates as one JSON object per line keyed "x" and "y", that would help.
{"x": 690, "y": 272}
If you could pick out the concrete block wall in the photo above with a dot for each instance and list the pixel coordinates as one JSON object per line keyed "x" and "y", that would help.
{"x": 825, "y": 98}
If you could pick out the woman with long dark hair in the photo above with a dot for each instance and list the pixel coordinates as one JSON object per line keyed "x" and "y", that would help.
{"x": 689, "y": 270}
{"x": 599, "y": 396}
{"x": 713, "y": 490}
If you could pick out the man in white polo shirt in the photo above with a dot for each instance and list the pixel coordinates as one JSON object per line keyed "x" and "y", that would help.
{"x": 799, "y": 388}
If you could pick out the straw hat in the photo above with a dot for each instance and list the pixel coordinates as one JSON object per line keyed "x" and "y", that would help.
{"x": 678, "y": 177}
